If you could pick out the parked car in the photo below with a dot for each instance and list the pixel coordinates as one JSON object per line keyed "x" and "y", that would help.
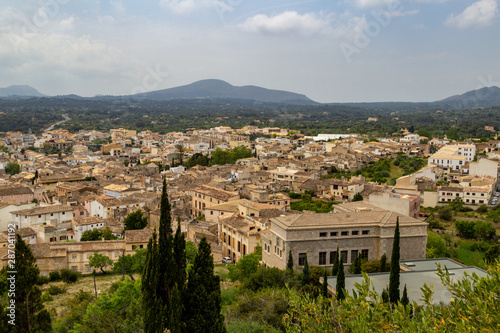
{"x": 226, "y": 260}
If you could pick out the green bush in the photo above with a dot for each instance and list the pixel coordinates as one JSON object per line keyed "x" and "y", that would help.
{"x": 56, "y": 290}
{"x": 54, "y": 276}
{"x": 482, "y": 209}
{"x": 266, "y": 277}
{"x": 70, "y": 276}
{"x": 480, "y": 246}
{"x": 42, "y": 280}
{"x": 47, "y": 297}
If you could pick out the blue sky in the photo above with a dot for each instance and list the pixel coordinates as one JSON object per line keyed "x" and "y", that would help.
{"x": 331, "y": 51}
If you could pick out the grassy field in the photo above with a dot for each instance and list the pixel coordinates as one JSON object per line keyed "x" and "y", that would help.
{"x": 86, "y": 283}
{"x": 465, "y": 254}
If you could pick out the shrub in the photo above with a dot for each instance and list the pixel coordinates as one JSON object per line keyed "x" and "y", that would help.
{"x": 54, "y": 276}
{"x": 42, "y": 280}
{"x": 480, "y": 246}
{"x": 47, "y": 297}
{"x": 56, "y": 290}
{"x": 69, "y": 276}
{"x": 465, "y": 228}
{"x": 445, "y": 213}
{"x": 482, "y": 209}
{"x": 266, "y": 277}
{"x": 374, "y": 266}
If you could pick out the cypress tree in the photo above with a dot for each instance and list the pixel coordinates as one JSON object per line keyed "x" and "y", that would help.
{"x": 394, "y": 275}
{"x": 357, "y": 264}
{"x": 149, "y": 286}
{"x": 305, "y": 273}
{"x": 335, "y": 268}
{"x": 405, "y": 300}
{"x": 167, "y": 271}
{"x": 180, "y": 256}
{"x": 340, "y": 281}
{"x": 324, "y": 286}
{"x": 385, "y": 296}
{"x": 203, "y": 295}
{"x": 30, "y": 313}
{"x": 289, "y": 264}
{"x": 383, "y": 263}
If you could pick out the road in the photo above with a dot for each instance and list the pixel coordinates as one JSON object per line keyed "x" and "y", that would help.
{"x": 66, "y": 118}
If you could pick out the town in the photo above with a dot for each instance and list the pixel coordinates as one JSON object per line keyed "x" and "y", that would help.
{"x": 59, "y": 185}
{"x": 298, "y": 200}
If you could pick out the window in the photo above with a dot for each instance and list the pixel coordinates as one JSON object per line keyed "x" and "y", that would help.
{"x": 302, "y": 258}
{"x": 228, "y": 240}
{"x": 322, "y": 234}
{"x": 354, "y": 255}
{"x": 56, "y": 266}
{"x": 211, "y": 212}
{"x": 355, "y": 232}
{"x": 344, "y": 233}
{"x": 333, "y": 255}
{"x": 333, "y": 234}
{"x": 40, "y": 261}
{"x": 322, "y": 258}
{"x": 239, "y": 246}
{"x": 343, "y": 256}
{"x": 364, "y": 254}
{"x": 365, "y": 232}
{"x": 87, "y": 268}
{"x": 73, "y": 256}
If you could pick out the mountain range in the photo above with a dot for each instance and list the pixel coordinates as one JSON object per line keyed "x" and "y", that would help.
{"x": 217, "y": 89}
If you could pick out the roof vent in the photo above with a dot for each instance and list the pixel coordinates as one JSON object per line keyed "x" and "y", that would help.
{"x": 410, "y": 264}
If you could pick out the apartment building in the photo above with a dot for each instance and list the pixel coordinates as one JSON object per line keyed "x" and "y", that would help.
{"x": 453, "y": 157}
{"x": 206, "y": 196}
{"x": 355, "y": 228}
{"x": 239, "y": 236}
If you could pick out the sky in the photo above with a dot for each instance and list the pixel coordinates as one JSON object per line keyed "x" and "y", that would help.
{"x": 331, "y": 51}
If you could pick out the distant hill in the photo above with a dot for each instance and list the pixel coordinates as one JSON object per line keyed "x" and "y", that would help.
{"x": 218, "y": 89}
{"x": 484, "y": 97}
{"x": 25, "y": 91}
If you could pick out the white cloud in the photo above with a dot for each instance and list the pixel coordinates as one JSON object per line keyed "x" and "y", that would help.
{"x": 407, "y": 13}
{"x": 186, "y": 7}
{"x": 68, "y": 23}
{"x": 289, "y": 22}
{"x": 375, "y": 3}
{"x": 479, "y": 14}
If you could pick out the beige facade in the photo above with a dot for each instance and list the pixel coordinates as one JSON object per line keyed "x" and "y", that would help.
{"x": 401, "y": 203}
{"x": 356, "y": 228}
{"x": 206, "y": 196}
{"x": 239, "y": 236}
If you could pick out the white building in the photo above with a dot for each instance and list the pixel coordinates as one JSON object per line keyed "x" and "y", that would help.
{"x": 453, "y": 157}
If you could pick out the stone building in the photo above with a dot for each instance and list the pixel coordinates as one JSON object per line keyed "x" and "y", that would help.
{"x": 355, "y": 228}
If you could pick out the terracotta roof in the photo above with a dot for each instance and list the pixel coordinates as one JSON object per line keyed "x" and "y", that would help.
{"x": 43, "y": 210}
{"x": 215, "y": 192}
{"x": 138, "y": 236}
{"x": 349, "y": 219}
{"x": 14, "y": 190}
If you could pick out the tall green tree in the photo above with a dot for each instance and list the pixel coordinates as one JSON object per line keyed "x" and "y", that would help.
{"x": 135, "y": 221}
{"x": 100, "y": 261}
{"x": 151, "y": 302}
{"x": 12, "y": 168}
{"x": 160, "y": 273}
{"x": 289, "y": 263}
{"x": 203, "y": 295}
{"x": 180, "y": 257}
{"x": 404, "y": 299}
{"x": 324, "y": 286}
{"x": 306, "y": 278}
{"x": 340, "y": 286}
{"x": 394, "y": 275}
{"x": 30, "y": 313}
{"x": 336, "y": 262}
{"x": 383, "y": 263}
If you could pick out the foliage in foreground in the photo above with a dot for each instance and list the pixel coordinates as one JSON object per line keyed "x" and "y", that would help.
{"x": 474, "y": 306}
